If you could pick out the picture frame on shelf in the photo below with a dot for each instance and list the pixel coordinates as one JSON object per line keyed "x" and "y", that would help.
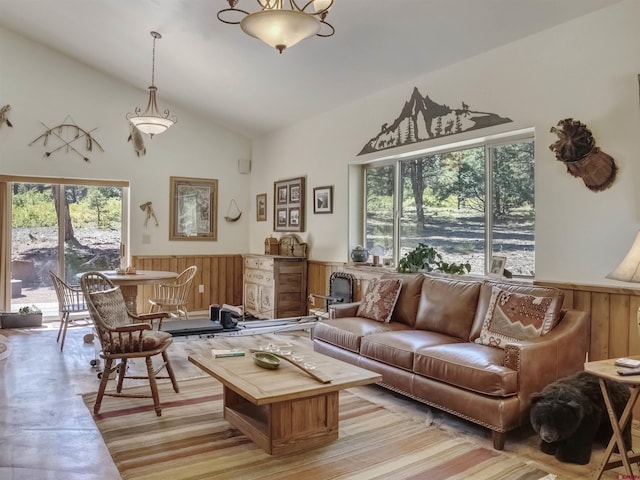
{"x": 261, "y": 207}
{"x": 289, "y": 205}
{"x": 323, "y": 199}
{"x": 497, "y": 265}
{"x": 193, "y": 209}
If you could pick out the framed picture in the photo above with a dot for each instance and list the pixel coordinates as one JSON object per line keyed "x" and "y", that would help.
{"x": 281, "y": 218}
{"x": 294, "y": 217}
{"x": 282, "y": 195}
{"x": 261, "y": 207}
{"x": 323, "y": 199}
{"x": 288, "y": 205}
{"x": 193, "y": 210}
{"x": 497, "y": 265}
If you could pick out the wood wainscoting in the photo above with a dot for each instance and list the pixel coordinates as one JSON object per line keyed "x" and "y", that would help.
{"x": 221, "y": 276}
{"x": 613, "y": 317}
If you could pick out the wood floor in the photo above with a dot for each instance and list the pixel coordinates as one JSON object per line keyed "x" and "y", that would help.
{"x": 48, "y": 433}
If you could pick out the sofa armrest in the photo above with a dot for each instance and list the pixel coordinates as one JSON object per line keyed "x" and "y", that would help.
{"x": 343, "y": 310}
{"x": 543, "y": 360}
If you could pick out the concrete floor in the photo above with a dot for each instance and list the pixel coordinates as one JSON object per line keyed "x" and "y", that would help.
{"x": 46, "y": 430}
{"x": 47, "y": 433}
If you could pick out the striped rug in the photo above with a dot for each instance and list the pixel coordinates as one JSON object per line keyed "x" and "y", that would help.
{"x": 191, "y": 440}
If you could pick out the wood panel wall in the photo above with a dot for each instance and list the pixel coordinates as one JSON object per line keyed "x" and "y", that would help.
{"x": 613, "y": 313}
{"x": 221, "y": 276}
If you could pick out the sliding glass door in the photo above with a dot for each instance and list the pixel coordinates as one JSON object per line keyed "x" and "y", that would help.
{"x": 64, "y": 228}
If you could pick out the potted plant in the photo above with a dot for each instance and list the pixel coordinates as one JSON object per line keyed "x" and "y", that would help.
{"x": 424, "y": 258}
{"x": 27, "y": 316}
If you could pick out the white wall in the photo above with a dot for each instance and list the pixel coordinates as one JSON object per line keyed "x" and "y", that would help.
{"x": 586, "y": 69}
{"x": 41, "y": 85}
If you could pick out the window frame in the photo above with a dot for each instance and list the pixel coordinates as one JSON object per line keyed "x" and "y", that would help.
{"x": 489, "y": 143}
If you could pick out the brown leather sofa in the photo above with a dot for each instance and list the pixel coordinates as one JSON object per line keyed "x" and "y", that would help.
{"x": 427, "y": 350}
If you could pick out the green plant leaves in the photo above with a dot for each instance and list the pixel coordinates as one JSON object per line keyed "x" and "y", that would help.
{"x": 424, "y": 258}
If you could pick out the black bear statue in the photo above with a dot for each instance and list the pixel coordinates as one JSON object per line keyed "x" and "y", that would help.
{"x": 570, "y": 415}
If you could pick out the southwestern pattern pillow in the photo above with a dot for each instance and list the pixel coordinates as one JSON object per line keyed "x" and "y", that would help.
{"x": 379, "y": 299}
{"x": 514, "y": 316}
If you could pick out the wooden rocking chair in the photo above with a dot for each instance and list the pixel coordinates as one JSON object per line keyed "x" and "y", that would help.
{"x": 123, "y": 336}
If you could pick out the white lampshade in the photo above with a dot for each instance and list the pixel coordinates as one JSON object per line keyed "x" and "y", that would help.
{"x": 280, "y": 28}
{"x": 151, "y": 125}
{"x": 151, "y": 121}
{"x": 629, "y": 268}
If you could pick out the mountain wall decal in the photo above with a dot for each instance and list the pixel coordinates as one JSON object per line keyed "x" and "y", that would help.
{"x": 423, "y": 119}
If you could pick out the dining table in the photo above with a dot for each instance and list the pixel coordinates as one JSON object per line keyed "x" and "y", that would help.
{"x": 129, "y": 282}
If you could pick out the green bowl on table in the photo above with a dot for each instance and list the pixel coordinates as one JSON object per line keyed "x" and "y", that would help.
{"x": 266, "y": 360}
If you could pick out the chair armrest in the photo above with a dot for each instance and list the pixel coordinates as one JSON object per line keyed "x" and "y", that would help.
{"x": 343, "y": 310}
{"x": 559, "y": 353}
{"x": 134, "y": 327}
{"x": 149, "y": 316}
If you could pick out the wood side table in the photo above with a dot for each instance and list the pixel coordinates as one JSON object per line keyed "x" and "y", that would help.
{"x": 607, "y": 370}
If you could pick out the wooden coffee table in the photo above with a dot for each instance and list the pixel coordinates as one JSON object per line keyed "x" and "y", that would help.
{"x": 283, "y": 410}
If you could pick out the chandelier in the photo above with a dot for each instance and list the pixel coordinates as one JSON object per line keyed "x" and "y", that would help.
{"x": 151, "y": 121}
{"x": 279, "y": 25}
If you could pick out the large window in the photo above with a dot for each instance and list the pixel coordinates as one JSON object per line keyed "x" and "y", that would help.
{"x": 469, "y": 204}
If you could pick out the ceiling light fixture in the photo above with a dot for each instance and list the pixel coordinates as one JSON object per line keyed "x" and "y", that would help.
{"x": 280, "y": 26}
{"x": 151, "y": 121}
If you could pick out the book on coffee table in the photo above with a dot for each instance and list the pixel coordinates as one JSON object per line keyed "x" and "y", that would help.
{"x": 222, "y": 353}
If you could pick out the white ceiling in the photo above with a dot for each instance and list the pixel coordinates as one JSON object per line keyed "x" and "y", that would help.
{"x": 216, "y": 69}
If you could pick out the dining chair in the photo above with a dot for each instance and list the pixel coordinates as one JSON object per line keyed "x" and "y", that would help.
{"x": 124, "y": 336}
{"x": 70, "y": 300}
{"x": 173, "y": 295}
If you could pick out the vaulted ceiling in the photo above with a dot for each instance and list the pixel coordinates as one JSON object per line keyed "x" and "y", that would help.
{"x": 217, "y": 70}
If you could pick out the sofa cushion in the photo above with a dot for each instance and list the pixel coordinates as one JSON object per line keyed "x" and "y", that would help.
{"x": 397, "y": 348}
{"x": 486, "y": 292}
{"x": 347, "y": 332}
{"x": 407, "y": 304}
{"x": 379, "y": 299}
{"x": 514, "y": 316}
{"x": 447, "y": 306}
{"x": 468, "y": 365}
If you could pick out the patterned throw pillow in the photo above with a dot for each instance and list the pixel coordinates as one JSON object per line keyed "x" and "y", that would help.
{"x": 514, "y": 316}
{"x": 379, "y": 299}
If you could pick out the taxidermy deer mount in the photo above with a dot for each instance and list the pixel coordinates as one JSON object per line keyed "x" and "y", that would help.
{"x": 576, "y": 148}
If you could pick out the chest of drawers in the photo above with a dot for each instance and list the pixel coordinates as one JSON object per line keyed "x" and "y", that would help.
{"x": 275, "y": 286}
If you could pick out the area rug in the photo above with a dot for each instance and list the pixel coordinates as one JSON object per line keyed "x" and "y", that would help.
{"x": 191, "y": 440}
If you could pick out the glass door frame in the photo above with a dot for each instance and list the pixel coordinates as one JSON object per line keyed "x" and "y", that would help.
{"x": 6, "y": 227}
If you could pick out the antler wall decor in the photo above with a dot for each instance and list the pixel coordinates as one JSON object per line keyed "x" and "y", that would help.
{"x": 576, "y": 148}
{"x": 68, "y": 133}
